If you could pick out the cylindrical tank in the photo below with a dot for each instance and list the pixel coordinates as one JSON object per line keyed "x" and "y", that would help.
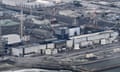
{"x": 69, "y": 43}
{"x": 48, "y": 51}
{"x": 103, "y": 41}
{"x": 76, "y": 46}
{"x": 84, "y": 43}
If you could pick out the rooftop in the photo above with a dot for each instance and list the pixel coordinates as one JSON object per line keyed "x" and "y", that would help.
{"x": 7, "y": 22}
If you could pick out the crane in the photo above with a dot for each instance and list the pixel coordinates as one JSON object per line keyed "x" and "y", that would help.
{"x": 21, "y": 21}
{"x": 93, "y": 19}
{"x": 1, "y": 50}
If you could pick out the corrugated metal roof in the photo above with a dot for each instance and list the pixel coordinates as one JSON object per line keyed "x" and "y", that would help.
{"x": 7, "y": 22}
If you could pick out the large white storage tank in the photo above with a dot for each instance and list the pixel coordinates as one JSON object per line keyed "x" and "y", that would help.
{"x": 76, "y": 46}
{"x": 97, "y": 41}
{"x": 69, "y": 43}
{"x": 12, "y": 38}
{"x": 104, "y": 41}
{"x": 84, "y": 43}
{"x": 48, "y": 51}
{"x": 78, "y": 40}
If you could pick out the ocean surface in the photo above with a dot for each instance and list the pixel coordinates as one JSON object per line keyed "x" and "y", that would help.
{"x": 30, "y": 70}
{"x": 11, "y": 68}
{"x": 5, "y": 67}
{"x": 113, "y": 70}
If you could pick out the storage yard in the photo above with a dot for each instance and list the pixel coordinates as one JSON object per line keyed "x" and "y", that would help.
{"x": 73, "y": 35}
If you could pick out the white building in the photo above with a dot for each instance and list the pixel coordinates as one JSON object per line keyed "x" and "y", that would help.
{"x": 75, "y": 31}
{"x": 69, "y": 13}
{"x": 12, "y": 38}
{"x": 102, "y": 38}
{"x": 13, "y": 2}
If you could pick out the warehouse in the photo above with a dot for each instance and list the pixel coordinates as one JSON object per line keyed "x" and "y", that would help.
{"x": 69, "y": 13}
{"x": 74, "y": 31}
{"x": 74, "y": 43}
{"x": 37, "y": 4}
{"x": 35, "y": 49}
{"x": 65, "y": 32}
{"x": 71, "y": 17}
{"x": 12, "y": 39}
{"x": 104, "y": 37}
{"x": 13, "y": 2}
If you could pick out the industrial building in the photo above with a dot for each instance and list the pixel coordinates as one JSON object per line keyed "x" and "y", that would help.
{"x": 69, "y": 13}
{"x": 75, "y": 42}
{"x": 71, "y": 17}
{"x": 102, "y": 38}
{"x": 60, "y": 34}
{"x": 34, "y": 50}
{"x": 32, "y": 4}
{"x": 12, "y": 39}
{"x": 9, "y": 27}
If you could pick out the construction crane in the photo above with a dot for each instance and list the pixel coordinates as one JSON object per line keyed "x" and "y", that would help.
{"x": 1, "y": 50}
{"x": 52, "y": 19}
{"x": 75, "y": 22}
{"x": 21, "y": 22}
{"x": 31, "y": 10}
{"x": 93, "y": 16}
{"x": 54, "y": 12}
{"x": 93, "y": 20}
{"x": 2, "y": 43}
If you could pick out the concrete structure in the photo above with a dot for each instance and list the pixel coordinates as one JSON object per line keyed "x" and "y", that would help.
{"x": 12, "y": 39}
{"x": 75, "y": 43}
{"x": 69, "y": 13}
{"x": 74, "y": 31}
{"x": 104, "y": 37}
{"x": 39, "y": 22}
{"x": 13, "y": 2}
{"x": 37, "y": 4}
{"x": 43, "y": 49}
{"x": 69, "y": 43}
{"x": 9, "y": 27}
